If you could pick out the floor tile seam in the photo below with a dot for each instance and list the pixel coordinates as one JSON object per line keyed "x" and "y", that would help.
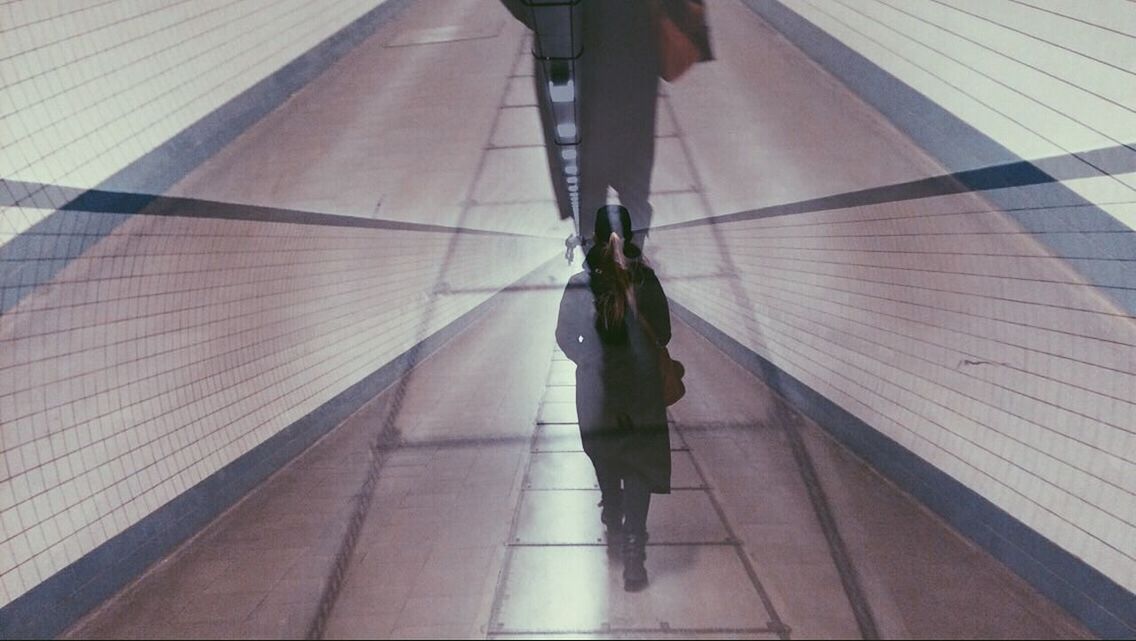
{"x": 245, "y": 619}
{"x": 440, "y": 42}
{"x": 506, "y": 564}
{"x": 698, "y": 187}
{"x": 581, "y": 451}
{"x": 781, "y": 629}
{"x": 625, "y": 629}
{"x": 594, "y": 488}
{"x": 497, "y": 602}
{"x": 220, "y": 523}
{"x": 739, "y": 547}
{"x": 525, "y": 470}
{"x": 731, "y": 539}
{"x": 497, "y": 147}
{"x": 604, "y": 544}
{"x": 339, "y": 572}
{"x": 519, "y": 201}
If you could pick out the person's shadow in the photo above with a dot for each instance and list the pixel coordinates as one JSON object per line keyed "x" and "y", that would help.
{"x": 617, "y": 82}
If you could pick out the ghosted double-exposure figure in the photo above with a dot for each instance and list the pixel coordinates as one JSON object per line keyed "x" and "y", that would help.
{"x": 618, "y": 81}
{"x": 613, "y": 319}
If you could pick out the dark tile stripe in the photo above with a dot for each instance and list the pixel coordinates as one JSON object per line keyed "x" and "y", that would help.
{"x": 100, "y": 201}
{"x": 1051, "y": 216}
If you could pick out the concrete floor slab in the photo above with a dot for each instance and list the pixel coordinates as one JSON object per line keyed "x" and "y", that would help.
{"x": 672, "y": 171}
{"x": 520, "y": 92}
{"x": 665, "y": 124}
{"x": 559, "y": 394}
{"x": 516, "y": 127}
{"x": 563, "y": 369}
{"x": 560, "y": 471}
{"x": 572, "y": 470}
{"x": 557, "y": 412}
{"x": 579, "y": 590}
{"x": 539, "y": 218}
{"x": 438, "y": 34}
{"x": 562, "y": 517}
{"x": 566, "y": 438}
{"x": 557, "y": 438}
{"x": 654, "y": 634}
{"x": 514, "y": 175}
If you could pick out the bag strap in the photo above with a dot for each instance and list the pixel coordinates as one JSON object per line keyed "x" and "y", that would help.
{"x": 647, "y": 327}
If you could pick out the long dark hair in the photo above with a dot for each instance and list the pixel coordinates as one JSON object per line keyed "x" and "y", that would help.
{"x": 613, "y": 289}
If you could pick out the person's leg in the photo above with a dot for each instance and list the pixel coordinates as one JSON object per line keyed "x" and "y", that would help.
{"x": 608, "y": 478}
{"x": 636, "y": 503}
{"x": 632, "y": 180}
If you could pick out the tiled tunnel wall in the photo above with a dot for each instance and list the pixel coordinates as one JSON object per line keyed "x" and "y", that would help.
{"x": 140, "y": 354}
{"x": 998, "y": 346}
{"x": 90, "y": 87}
{"x": 177, "y": 344}
{"x": 954, "y": 334}
{"x": 1046, "y": 79}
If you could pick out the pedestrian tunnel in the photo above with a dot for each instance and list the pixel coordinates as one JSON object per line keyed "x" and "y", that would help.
{"x": 280, "y": 285}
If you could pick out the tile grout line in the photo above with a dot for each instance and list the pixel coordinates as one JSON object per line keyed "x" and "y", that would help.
{"x": 388, "y": 434}
{"x": 618, "y": 630}
{"x": 499, "y": 591}
{"x": 849, "y": 577}
{"x": 776, "y": 623}
{"x": 775, "y": 626}
{"x": 506, "y": 565}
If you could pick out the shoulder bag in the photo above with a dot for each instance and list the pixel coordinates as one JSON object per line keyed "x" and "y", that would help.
{"x": 670, "y": 370}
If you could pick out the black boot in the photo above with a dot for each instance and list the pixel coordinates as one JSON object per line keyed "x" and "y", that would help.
{"x": 634, "y": 554}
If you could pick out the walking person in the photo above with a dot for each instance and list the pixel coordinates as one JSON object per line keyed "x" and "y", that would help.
{"x": 613, "y": 320}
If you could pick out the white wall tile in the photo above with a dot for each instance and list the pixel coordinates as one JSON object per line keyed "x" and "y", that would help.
{"x": 175, "y": 345}
{"x": 1044, "y": 430}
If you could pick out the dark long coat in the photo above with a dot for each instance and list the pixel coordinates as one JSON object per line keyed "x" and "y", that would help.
{"x": 619, "y": 400}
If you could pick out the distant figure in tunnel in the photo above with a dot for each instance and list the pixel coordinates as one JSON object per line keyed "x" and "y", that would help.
{"x": 613, "y": 320}
{"x": 619, "y": 84}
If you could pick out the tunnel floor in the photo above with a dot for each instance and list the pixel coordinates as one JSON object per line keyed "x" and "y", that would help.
{"x": 475, "y": 515}
{"x": 483, "y": 523}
